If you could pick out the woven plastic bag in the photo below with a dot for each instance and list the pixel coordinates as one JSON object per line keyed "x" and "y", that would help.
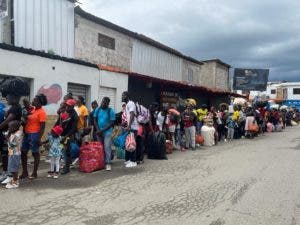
{"x": 91, "y": 157}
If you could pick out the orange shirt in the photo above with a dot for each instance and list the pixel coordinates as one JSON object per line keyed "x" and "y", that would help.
{"x": 35, "y": 118}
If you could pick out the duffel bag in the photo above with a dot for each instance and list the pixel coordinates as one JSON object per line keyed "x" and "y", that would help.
{"x": 91, "y": 157}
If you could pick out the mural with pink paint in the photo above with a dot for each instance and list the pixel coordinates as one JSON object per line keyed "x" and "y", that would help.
{"x": 53, "y": 93}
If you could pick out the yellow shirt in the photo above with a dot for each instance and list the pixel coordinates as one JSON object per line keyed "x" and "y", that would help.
{"x": 236, "y": 116}
{"x": 82, "y": 112}
{"x": 201, "y": 114}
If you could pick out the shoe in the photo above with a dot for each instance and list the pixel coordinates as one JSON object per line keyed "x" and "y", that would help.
{"x": 126, "y": 162}
{"x": 50, "y": 174}
{"x": 65, "y": 171}
{"x": 75, "y": 161}
{"x": 33, "y": 176}
{"x": 108, "y": 167}
{"x": 140, "y": 162}
{"x": 225, "y": 140}
{"x": 3, "y": 176}
{"x": 131, "y": 164}
{"x": 12, "y": 184}
{"x": 55, "y": 175}
{"x": 7, "y": 180}
{"x": 23, "y": 176}
{"x": 183, "y": 149}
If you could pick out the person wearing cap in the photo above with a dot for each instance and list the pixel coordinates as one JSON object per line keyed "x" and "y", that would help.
{"x": 55, "y": 150}
{"x": 34, "y": 131}
{"x": 69, "y": 125}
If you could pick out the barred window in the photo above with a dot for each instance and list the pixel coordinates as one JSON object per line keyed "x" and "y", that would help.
{"x": 106, "y": 41}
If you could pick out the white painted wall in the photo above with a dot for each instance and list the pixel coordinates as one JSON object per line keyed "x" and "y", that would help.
{"x": 114, "y": 80}
{"x": 41, "y": 71}
{"x": 151, "y": 61}
{"x": 45, "y": 25}
{"x": 290, "y": 94}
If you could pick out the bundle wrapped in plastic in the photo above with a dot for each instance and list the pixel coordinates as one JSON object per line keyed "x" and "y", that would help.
{"x": 15, "y": 86}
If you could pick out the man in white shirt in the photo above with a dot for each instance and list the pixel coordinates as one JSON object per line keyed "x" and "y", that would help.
{"x": 130, "y": 110}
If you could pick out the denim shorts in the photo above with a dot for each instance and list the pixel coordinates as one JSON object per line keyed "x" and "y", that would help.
{"x": 31, "y": 142}
{"x": 13, "y": 163}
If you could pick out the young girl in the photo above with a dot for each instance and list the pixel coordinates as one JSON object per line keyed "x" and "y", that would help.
{"x": 54, "y": 139}
{"x": 14, "y": 142}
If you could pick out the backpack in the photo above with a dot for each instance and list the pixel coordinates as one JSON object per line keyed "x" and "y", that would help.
{"x": 142, "y": 114}
{"x": 174, "y": 118}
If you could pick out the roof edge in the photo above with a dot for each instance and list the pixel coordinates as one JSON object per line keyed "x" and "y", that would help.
{"x": 218, "y": 61}
{"x": 79, "y": 11}
{"x": 45, "y": 55}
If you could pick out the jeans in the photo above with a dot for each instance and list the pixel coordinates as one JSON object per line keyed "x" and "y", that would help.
{"x": 54, "y": 164}
{"x": 190, "y": 136}
{"x": 107, "y": 142}
{"x": 230, "y": 133}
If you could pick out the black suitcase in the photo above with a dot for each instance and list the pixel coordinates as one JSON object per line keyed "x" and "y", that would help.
{"x": 157, "y": 145}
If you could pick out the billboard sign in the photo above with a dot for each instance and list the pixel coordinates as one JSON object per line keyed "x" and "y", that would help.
{"x": 250, "y": 79}
{"x": 3, "y": 8}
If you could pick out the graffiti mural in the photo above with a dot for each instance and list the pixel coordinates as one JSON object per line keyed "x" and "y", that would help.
{"x": 53, "y": 93}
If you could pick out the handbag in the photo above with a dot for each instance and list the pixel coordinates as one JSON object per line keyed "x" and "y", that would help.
{"x": 253, "y": 127}
{"x": 130, "y": 144}
{"x": 120, "y": 141}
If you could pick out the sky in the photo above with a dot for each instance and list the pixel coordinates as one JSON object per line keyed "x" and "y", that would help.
{"x": 260, "y": 34}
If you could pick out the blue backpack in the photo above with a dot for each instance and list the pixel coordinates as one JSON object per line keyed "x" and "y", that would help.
{"x": 2, "y": 112}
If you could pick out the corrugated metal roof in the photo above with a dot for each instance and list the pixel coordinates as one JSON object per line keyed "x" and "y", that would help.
{"x": 135, "y": 35}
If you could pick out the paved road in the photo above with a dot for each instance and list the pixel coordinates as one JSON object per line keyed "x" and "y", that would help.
{"x": 244, "y": 182}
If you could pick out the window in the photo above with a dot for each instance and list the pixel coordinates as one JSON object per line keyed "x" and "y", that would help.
{"x": 296, "y": 91}
{"x": 190, "y": 75}
{"x": 273, "y": 91}
{"x": 106, "y": 42}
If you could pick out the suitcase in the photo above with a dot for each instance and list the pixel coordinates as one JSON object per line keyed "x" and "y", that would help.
{"x": 156, "y": 145}
{"x": 91, "y": 157}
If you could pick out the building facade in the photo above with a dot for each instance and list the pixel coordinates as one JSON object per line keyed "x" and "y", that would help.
{"x": 215, "y": 74}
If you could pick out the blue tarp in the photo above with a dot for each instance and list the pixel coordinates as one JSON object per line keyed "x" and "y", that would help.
{"x": 292, "y": 103}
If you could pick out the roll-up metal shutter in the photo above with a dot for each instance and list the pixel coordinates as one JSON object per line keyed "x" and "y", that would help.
{"x": 78, "y": 90}
{"x": 108, "y": 92}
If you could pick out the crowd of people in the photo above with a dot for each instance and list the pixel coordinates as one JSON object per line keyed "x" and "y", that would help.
{"x": 23, "y": 127}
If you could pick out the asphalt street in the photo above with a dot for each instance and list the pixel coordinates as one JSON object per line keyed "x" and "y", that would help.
{"x": 245, "y": 182}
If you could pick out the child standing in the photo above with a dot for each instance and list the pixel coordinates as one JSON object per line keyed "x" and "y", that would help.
{"x": 15, "y": 136}
{"x": 230, "y": 126}
{"x": 54, "y": 140}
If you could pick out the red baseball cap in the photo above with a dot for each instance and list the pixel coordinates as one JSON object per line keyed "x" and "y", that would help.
{"x": 71, "y": 102}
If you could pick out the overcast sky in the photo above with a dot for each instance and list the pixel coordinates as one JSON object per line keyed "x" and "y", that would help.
{"x": 242, "y": 33}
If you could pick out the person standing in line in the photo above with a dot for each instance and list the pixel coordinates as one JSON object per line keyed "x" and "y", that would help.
{"x": 104, "y": 119}
{"x": 69, "y": 124}
{"x": 132, "y": 126}
{"x": 83, "y": 114}
{"x": 13, "y": 113}
{"x": 230, "y": 127}
{"x": 34, "y": 131}
{"x": 94, "y": 106}
{"x": 54, "y": 139}
{"x": 188, "y": 118}
{"x": 201, "y": 112}
{"x": 14, "y": 142}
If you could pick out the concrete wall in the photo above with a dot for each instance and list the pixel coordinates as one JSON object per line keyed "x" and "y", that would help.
{"x": 207, "y": 76}
{"x": 196, "y": 72}
{"x": 46, "y": 73}
{"x": 87, "y": 48}
{"x": 119, "y": 81}
{"x": 222, "y": 77}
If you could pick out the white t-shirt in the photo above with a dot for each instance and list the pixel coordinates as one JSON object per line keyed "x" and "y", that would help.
{"x": 160, "y": 120}
{"x": 130, "y": 107}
